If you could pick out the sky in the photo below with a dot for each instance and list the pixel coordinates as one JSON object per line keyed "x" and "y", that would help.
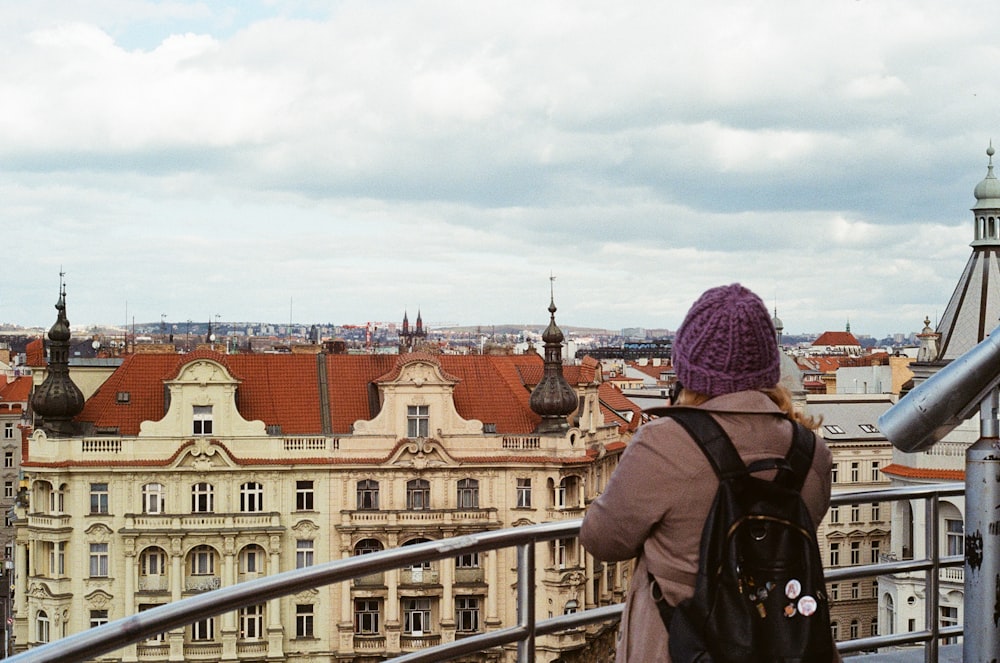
{"x": 346, "y": 162}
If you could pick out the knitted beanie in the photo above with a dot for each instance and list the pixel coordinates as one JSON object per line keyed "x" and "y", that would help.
{"x": 727, "y": 343}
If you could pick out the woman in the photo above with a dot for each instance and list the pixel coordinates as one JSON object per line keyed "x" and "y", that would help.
{"x": 726, "y": 357}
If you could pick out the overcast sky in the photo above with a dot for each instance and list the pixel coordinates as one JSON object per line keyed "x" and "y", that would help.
{"x": 344, "y": 162}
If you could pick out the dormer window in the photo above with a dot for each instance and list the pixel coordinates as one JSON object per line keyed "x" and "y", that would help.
{"x": 123, "y": 397}
{"x": 202, "y": 420}
{"x": 417, "y": 420}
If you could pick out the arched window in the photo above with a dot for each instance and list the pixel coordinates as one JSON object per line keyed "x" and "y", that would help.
{"x": 418, "y": 565}
{"x": 42, "y": 626}
{"x": 252, "y": 559}
{"x": 890, "y": 616}
{"x": 854, "y": 629}
{"x": 202, "y": 562}
{"x": 153, "y": 570}
{"x": 418, "y": 494}
{"x": 365, "y": 546}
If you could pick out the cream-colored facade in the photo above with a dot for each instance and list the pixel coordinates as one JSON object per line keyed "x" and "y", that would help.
{"x": 204, "y": 497}
{"x": 855, "y": 534}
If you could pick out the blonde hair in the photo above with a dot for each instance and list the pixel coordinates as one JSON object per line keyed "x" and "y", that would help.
{"x": 778, "y": 394}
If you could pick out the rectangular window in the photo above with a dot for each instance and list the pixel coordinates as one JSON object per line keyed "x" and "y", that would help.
{"x": 876, "y": 470}
{"x": 855, "y": 552}
{"x": 875, "y": 552}
{"x": 855, "y": 513}
{"x": 418, "y": 494}
{"x": 98, "y": 560}
{"x": 417, "y": 420}
{"x": 251, "y": 498}
{"x": 202, "y": 498}
{"x": 468, "y": 494}
{"x": 524, "y": 493}
{"x": 868, "y": 428}
{"x": 416, "y": 616}
{"x": 874, "y": 589}
{"x": 834, "y": 554}
{"x": 834, "y": 429}
{"x": 367, "y": 495}
{"x": 152, "y": 498}
{"x": 98, "y": 618}
{"x": 99, "y": 498}
{"x": 835, "y": 472}
{"x": 835, "y": 514}
{"x": 366, "y": 616}
{"x": 202, "y": 420}
{"x": 956, "y": 536}
{"x": 876, "y": 511}
{"x": 203, "y": 630}
{"x": 159, "y": 637}
{"x": 855, "y": 590}
{"x": 57, "y": 559}
{"x": 855, "y": 472}
{"x": 467, "y": 561}
{"x": 8, "y": 459}
{"x": 252, "y": 622}
{"x": 466, "y": 614}
{"x": 8, "y": 431}
{"x": 834, "y": 591}
{"x": 303, "y": 553}
{"x": 303, "y": 495}
{"x": 8, "y": 489}
{"x": 303, "y": 621}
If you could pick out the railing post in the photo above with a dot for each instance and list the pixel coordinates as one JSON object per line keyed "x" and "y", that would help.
{"x": 982, "y": 539}
{"x": 933, "y": 549}
{"x": 526, "y": 601}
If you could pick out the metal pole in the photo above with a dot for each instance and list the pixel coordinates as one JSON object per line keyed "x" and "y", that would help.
{"x": 931, "y": 603}
{"x": 982, "y": 539}
{"x": 526, "y": 601}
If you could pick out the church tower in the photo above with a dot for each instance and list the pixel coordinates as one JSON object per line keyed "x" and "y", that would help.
{"x": 553, "y": 398}
{"x": 57, "y": 400}
{"x": 974, "y": 308}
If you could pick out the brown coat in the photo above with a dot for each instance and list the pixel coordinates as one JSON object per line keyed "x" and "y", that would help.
{"x": 656, "y": 502}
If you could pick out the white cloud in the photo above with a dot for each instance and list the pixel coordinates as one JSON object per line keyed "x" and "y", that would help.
{"x": 369, "y": 157}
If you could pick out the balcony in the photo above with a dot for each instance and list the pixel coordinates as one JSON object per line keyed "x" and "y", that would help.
{"x": 48, "y": 521}
{"x": 214, "y": 522}
{"x": 202, "y": 583}
{"x": 473, "y": 518}
{"x": 154, "y": 583}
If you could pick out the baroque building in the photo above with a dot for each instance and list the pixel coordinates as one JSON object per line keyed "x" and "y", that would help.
{"x": 182, "y": 473}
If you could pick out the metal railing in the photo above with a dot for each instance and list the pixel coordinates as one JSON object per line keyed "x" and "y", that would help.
{"x": 149, "y": 623}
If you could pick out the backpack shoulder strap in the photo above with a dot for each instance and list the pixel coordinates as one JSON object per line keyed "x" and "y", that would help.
{"x": 711, "y": 439}
{"x": 800, "y": 455}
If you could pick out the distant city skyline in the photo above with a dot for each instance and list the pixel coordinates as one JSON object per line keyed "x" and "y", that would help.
{"x": 349, "y": 161}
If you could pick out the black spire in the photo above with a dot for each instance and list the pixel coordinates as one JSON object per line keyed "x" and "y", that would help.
{"x": 57, "y": 400}
{"x": 553, "y": 398}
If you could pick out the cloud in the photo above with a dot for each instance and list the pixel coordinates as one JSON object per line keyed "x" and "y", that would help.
{"x": 362, "y": 158}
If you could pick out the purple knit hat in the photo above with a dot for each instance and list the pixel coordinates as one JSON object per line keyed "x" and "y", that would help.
{"x": 727, "y": 343}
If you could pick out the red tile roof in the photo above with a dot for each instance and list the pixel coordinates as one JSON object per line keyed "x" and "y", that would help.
{"x": 34, "y": 353}
{"x": 837, "y": 338}
{"x": 284, "y": 389}
{"x": 16, "y": 391}
{"x": 924, "y": 473}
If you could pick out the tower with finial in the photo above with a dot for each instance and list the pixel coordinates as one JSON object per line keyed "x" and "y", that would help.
{"x": 553, "y": 398}
{"x": 57, "y": 400}
{"x": 974, "y": 307}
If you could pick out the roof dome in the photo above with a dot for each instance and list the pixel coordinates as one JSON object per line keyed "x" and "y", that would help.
{"x": 987, "y": 192}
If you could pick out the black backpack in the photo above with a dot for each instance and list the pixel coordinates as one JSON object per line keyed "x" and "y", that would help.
{"x": 760, "y": 593}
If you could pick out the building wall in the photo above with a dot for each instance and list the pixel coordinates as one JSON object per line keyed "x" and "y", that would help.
{"x": 93, "y": 543}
